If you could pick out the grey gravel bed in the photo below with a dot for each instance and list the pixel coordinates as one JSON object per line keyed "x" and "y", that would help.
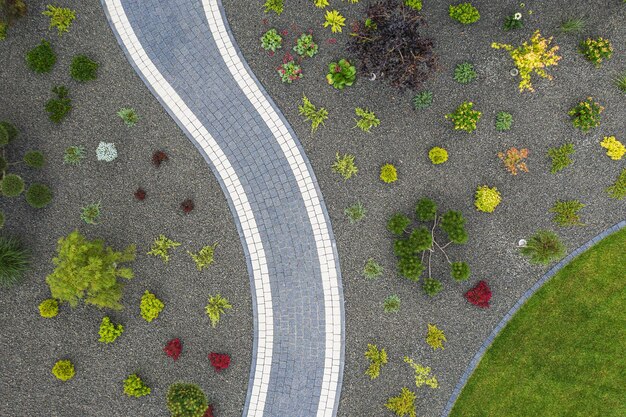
{"x": 404, "y": 138}
{"x": 30, "y": 345}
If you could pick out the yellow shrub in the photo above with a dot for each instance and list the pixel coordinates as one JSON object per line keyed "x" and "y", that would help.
{"x": 388, "y": 173}
{"x": 438, "y": 155}
{"x": 487, "y": 199}
{"x": 49, "y": 308}
{"x": 614, "y": 148}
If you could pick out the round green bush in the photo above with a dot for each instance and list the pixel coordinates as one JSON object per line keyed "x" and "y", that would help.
{"x": 12, "y": 185}
{"x": 388, "y": 173}
{"x": 10, "y": 130}
{"x": 460, "y": 271}
{"x": 41, "y": 58}
{"x": 63, "y": 370}
{"x": 14, "y": 261}
{"x": 487, "y": 199}
{"x": 432, "y": 286}
{"x": 34, "y": 159}
{"x": 83, "y": 69}
{"x": 398, "y": 223}
{"x": 186, "y": 400}
{"x": 49, "y": 308}
{"x": 426, "y": 209}
{"x": 438, "y": 155}
{"x": 38, "y": 195}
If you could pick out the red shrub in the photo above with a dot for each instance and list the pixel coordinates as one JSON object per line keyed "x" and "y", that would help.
{"x": 140, "y": 194}
{"x": 479, "y": 295}
{"x": 219, "y": 361}
{"x": 173, "y": 348}
{"x": 158, "y": 157}
{"x": 208, "y": 412}
{"x": 187, "y": 206}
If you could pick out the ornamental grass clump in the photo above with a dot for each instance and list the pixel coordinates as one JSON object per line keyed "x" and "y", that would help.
{"x": 435, "y": 337}
{"x": 150, "y": 306}
{"x": 372, "y": 269}
{"x": 129, "y": 116}
{"x": 404, "y": 404}
{"x": 423, "y": 100}
{"x": 614, "y": 148}
{"x": 543, "y": 247}
{"x": 586, "y": 114}
{"x": 345, "y": 166}
{"x": 487, "y": 199}
{"x": 566, "y": 213}
{"x": 573, "y": 25}
{"x": 186, "y": 400}
{"x": 312, "y": 114}
{"x": 271, "y": 40}
{"x": 161, "y": 246}
{"x": 216, "y": 307}
{"x": 63, "y": 370}
{"x": 561, "y": 157}
{"x": 388, "y": 173}
{"x": 335, "y": 20}
{"x": 377, "y": 358}
{"x": 438, "y": 155}
{"x": 108, "y": 331}
{"x": 49, "y": 308}
{"x": 620, "y": 82}
{"x": 355, "y": 213}
{"x": 41, "y": 58}
{"x": 465, "y": 117}
{"x": 83, "y": 68}
{"x": 61, "y": 18}
{"x": 74, "y": 155}
{"x": 305, "y": 47}
{"x": 204, "y": 257}
{"x": 135, "y": 387}
{"x": 464, "y": 73}
{"x": 341, "y": 74}
{"x": 90, "y": 213}
{"x": 391, "y": 304}
{"x": 532, "y": 58}
{"x": 464, "y": 13}
{"x": 596, "y": 50}
{"x": 514, "y": 160}
{"x": 618, "y": 189}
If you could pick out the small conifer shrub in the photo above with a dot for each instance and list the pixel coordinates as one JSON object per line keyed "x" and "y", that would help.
{"x": 187, "y": 400}
{"x": 388, "y": 173}
{"x": 426, "y": 209}
{"x": 438, "y": 155}
{"x": 398, "y": 224}
{"x": 12, "y": 185}
{"x": 432, "y": 286}
{"x": 49, "y": 308}
{"x": 41, "y": 58}
{"x": 216, "y": 307}
{"x": 38, "y": 195}
{"x": 83, "y": 68}
{"x": 435, "y": 337}
{"x": 63, "y": 370}
{"x": 460, "y": 271}
{"x": 560, "y": 157}
{"x": 150, "y": 306}
{"x": 34, "y": 159}
{"x": 464, "y": 13}
{"x": 161, "y": 246}
{"x": 108, "y": 331}
{"x": 135, "y": 387}
{"x": 487, "y": 199}
{"x": 60, "y": 106}
{"x": 377, "y": 358}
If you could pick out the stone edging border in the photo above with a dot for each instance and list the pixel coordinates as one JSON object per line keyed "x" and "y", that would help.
{"x": 529, "y": 293}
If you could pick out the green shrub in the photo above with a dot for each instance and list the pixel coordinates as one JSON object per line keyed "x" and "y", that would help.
{"x": 398, "y": 223}
{"x": 414, "y": 4}
{"x": 404, "y": 404}
{"x": 345, "y": 166}
{"x": 377, "y": 359}
{"x": 420, "y": 239}
{"x": 618, "y": 189}
{"x": 372, "y": 269}
{"x": 108, "y": 331}
{"x": 216, "y": 307}
{"x": 464, "y": 13}
{"x": 90, "y": 214}
{"x": 596, "y": 50}
{"x": 573, "y": 25}
{"x": 464, "y": 73}
{"x": 566, "y": 213}
{"x": 586, "y": 114}
{"x": 560, "y": 157}
{"x": 11, "y": 132}
{"x": 161, "y": 246}
{"x": 432, "y": 286}
{"x": 543, "y": 247}
{"x": 438, "y": 155}
{"x": 204, "y": 257}
{"x": 391, "y": 304}
{"x": 335, "y": 20}
{"x": 422, "y": 374}
{"x": 83, "y": 69}
{"x": 150, "y": 306}
{"x": 388, "y": 173}
{"x": 403, "y": 248}
{"x": 38, "y": 195}
{"x": 14, "y": 261}
{"x": 367, "y": 120}
{"x": 63, "y": 370}
{"x": 12, "y": 185}
{"x": 276, "y": 6}
{"x": 435, "y": 337}
{"x": 3, "y": 30}
{"x": 464, "y": 117}
{"x": 135, "y": 387}
{"x": 426, "y": 209}
{"x": 4, "y": 137}
{"x": 312, "y": 114}
{"x": 49, "y": 308}
{"x": 3, "y": 163}
{"x": 1, "y": 219}
{"x": 410, "y": 267}
{"x": 513, "y": 22}
{"x": 341, "y": 74}
{"x": 453, "y": 223}
{"x": 620, "y": 81}
{"x": 61, "y": 105}
{"x": 355, "y": 213}
{"x": 271, "y": 40}
{"x": 423, "y": 100}
{"x": 129, "y": 116}
{"x": 87, "y": 269}
{"x": 60, "y": 18}
{"x": 487, "y": 199}
{"x": 305, "y": 46}
{"x": 186, "y": 400}
{"x": 460, "y": 271}
{"x": 74, "y": 155}
{"x": 34, "y": 159}
{"x": 41, "y": 58}
{"x": 504, "y": 121}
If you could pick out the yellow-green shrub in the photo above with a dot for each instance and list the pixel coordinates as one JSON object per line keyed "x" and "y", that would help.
{"x": 422, "y": 374}
{"x": 135, "y": 387}
{"x": 435, "y": 337}
{"x": 438, "y": 155}
{"x": 403, "y": 404}
{"x": 63, "y": 370}
{"x": 150, "y": 306}
{"x": 465, "y": 117}
{"x": 49, "y": 308}
{"x": 377, "y": 358}
{"x": 388, "y": 173}
{"x": 595, "y": 50}
{"x": 108, "y": 331}
{"x": 614, "y": 148}
{"x": 487, "y": 199}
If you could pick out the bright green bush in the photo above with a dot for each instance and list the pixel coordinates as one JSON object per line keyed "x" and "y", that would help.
{"x": 355, "y": 212}
{"x": 49, "y": 308}
{"x": 618, "y": 189}
{"x": 12, "y": 185}
{"x": 60, "y": 18}
{"x": 276, "y": 6}
{"x": 34, "y": 159}
{"x": 426, "y": 209}
{"x": 38, "y": 195}
{"x": 573, "y": 25}
{"x": 487, "y": 199}
{"x": 596, "y": 50}
{"x": 388, "y": 173}
{"x": 108, "y": 331}
{"x": 186, "y": 400}
{"x": 453, "y": 223}
{"x": 14, "y": 261}
{"x": 135, "y": 387}
{"x": 432, "y": 286}
{"x": 345, "y": 166}
{"x": 560, "y": 157}
{"x": 404, "y": 404}
{"x": 312, "y": 114}
{"x": 367, "y": 120}
{"x": 543, "y": 247}
{"x": 341, "y": 74}
{"x": 465, "y": 117}
{"x": 566, "y": 213}
{"x": 150, "y": 306}
{"x": 460, "y": 271}
{"x": 335, "y": 20}
{"x": 59, "y": 106}
{"x": 271, "y": 40}
{"x": 504, "y": 121}
{"x": 414, "y": 4}
{"x": 63, "y": 370}
{"x": 464, "y": 13}
{"x": 216, "y": 307}
{"x": 391, "y": 304}
{"x": 161, "y": 246}
{"x": 377, "y": 359}
{"x": 423, "y": 100}
{"x": 420, "y": 239}
{"x": 41, "y": 58}
{"x": 129, "y": 116}
{"x": 410, "y": 267}
{"x": 438, "y": 155}
{"x": 83, "y": 68}
{"x": 398, "y": 223}
{"x": 204, "y": 257}
{"x": 586, "y": 114}
{"x": 372, "y": 269}
{"x": 464, "y": 73}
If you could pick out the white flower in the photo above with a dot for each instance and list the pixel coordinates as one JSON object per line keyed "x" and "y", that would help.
{"x": 106, "y": 152}
{"x": 517, "y": 16}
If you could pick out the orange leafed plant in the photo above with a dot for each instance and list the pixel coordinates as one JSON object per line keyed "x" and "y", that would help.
{"x": 514, "y": 159}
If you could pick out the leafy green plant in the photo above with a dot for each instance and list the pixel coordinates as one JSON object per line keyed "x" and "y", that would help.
{"x": 161, "y": 246}
{"x": 423, "y": 100}
{"x": 10, "y": 11}
{"x": 135, "y": 387}
{"x": 276, "y": 6}
{"x": 586, "y": 114}
{"x": 83, "y": 68}
{"x": 313, "y": 114}
{"x": 12, "y": 185}
{"x": 423, "y": 374}
{"x": 341, "y": 74}
{"x": 620, "y": 81}
{"x": 74, "y": 155}
{"x": 504, "y": 121}
{"x": 464, "y": 73}
{"x": 150, "y": 306}
{"x": 398, "y": 224}
{"x": 367, "y": 119}
{"x": 186, "y": 400}
{"x": 289, "y": 71}
{"x": 60, "y": 18}
{"x": 560, "y": 157}
{"x": 404, "y": 404}
{"x": 618, "y": 189}
{"x": 305, "y": 46}
{"x": 41, "y": 58}
{"x": 108, "y": 331}
{"x": 216, "y": 307}
{"x": 90, "y": 214}
{"x": 372, "y": 269}
{"x": 34, "y": 159}
{"x": 377, "y": 359}
{"x": 388, "y": 173}
{"x": 543, "y": 247}
{"x": 204, "y": 257}
{"x": 335, "y": 20}
{"x": 345, "y": 166}
{"x": 49, "y": 308}
{"x": 460, "y": 271}
{"x": 426, "y": 210}
{"x": 129, "y": 116}
{"x": 271, "y": 40}
{"x": 59, "y": 106}
{"x": 573, "y": 25}
{"x": 464, "y": 13}
{"x": 487, "y": 199}
{"x": 614, "y": 148}
{"x": 38, "y": 195}
{"x": 438, "y": 155}
{"x": 465, "y": 117}
{"x": 355, "y": 213}
{"x": 596, "y": 50}
{"x": 432, "y": 286}
{"x": 513, "y": 21}
{"x": 391, "y": 304}
{"x": 566, "y": 213}
{"x": 14, "y": 261}
{"x": 63, "y": 370}
{"x": 87, "y": 269}
{"x": 435, "y": 337}
{"x": 414, "y": 4}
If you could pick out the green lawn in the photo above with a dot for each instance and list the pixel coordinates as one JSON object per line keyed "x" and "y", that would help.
{"x": 564, "y": 352}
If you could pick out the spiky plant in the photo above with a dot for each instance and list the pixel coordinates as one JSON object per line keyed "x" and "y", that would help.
{"x": 391, "y": 304}
{"x": 216, "y": 307}
{"x": 372, "y": 269}
{"x": 14, "y": 261}
{"x": 573, "y": 25}
{"x": 355, "y": 212}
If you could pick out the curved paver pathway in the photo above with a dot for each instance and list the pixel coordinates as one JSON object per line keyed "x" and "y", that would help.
{"x": 529, "y": 293}
{"x": 185, "y": 53}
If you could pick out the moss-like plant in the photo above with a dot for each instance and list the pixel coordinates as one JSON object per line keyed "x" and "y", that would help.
{"x": 566, "y": 213}
{"x": 271, "y": 40}
{"x": 41, "y": 58}
{"x": 465, "y": 117}
{"x": 108, "y": 331}
{"x": 59, "y": 106}
{"x": 435, "y": 337}
{"x": 438, "y": 155}
{"x": 335, "y": 20}
{"x": 161, "y": 246}
{"x": 560, "y": 157}
{"x": 391, "y": 304}
{"x": 372, "y": 269}
{"x": 150, "y": 306}
{"x": 14, "y": 261}
{"x": 504, "y": 121}
{"x": 367, "y": 120}
{"x": 618, "y": 189}
{"x": 276, "y": 6}
{"x": 186, "y": 400}
{"x": 216, "y": 307}
{"x": 464, "y": 13}
{"x": 460, "y": 271}
{"x": 38, "y": 195}
{"x": 34, "y": 159}
{"x": 313, "y": 114}
{"x": 345, "y": 166}
{"x": 398, "y": 223}
{"x": 49, "y": 308}
{"x": 614, "y": 148}
{"x": 423, "y": 374}
{"x": 388, "y": 173}
{"x": 12, "y": 185}
{"x": 377, "y": 359}
{"x": 596, "y": 50}
{"x": 204, "y": 257}
{"x": 341, "y": 74}
{"x": 543, "y": 247}
{"x": 60, "y": 18}
{"x": 464, "y": 73}
{"x": 90, "y": 213}
{"x": 432, "y": 286}
{"x": 423, "y": 100}
{"x": 83, "y": 68}
{"x": 135, "y": 387}
{"x": 129, "y": 116}
{"x": 63, "y": 370}
{"x": 355, "y": 212}
{"x": 586, "y": 114}
{"x": 487, "y": 199}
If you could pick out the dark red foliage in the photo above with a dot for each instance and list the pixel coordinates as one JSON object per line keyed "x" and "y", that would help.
{"x": 187, "y": 206}
{"x": 479, "y": 295}
{"x": 219, "y": 361}
{"x": 173, "y": 348}
{"x": 331, "y": 41}
{"x": 140, "y": 194}
{"x": 158, "y": 157}
{"x": 209, "y": 412}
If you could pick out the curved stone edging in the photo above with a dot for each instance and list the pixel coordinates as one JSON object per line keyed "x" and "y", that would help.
{"x": 529, "y": 293}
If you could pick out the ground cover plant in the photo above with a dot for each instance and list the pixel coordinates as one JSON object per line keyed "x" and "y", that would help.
{"x": 41, "y": 58}
{"x": 83, "y": 68}
{"x": 58, "y": 107}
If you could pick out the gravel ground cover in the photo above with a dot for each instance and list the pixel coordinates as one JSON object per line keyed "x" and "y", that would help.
{"x": 404, "y": 138}
{"x": 31, "y": 344}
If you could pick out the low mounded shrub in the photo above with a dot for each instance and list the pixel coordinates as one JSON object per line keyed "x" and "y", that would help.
{"x": 41, "y": 58}
{"x": 479, "y": 295}
{"x": 435, "y": 337}
{"x": 34, "y": 159}
{"x": 289, "y": 71}
{"x": 560, "y": 157}
{"x": 108, "y": 331}
{"x": 186, "y": 400}
{"x": 140, "y": 194}
{"x": 460, "y": 271}
{"x": 543, "y": 247}
{"x": 305, "y": 47}
{"x": 423, "y": 100}
{"x": 465, "y": 117}
{"x": 438, "y": 155}
{"x": 158, "y": 157}
{"x": 173, "y": 348}
{"x": 63, "y": 370}
{"x": 372, "y": 269}
{"x": 135, "y": 387}
{"x": 432, "y": 286}
{"x": 341, "y": 74}
{"x": 83, "y": 68}
{"x": 426, "y": 209}
{"x": 504, "y": 121}
{"x": 514, "y": 160}
{"x": 487, "y": 199}
{"x": 60, "y": 18}
{"x": 391, "y": 304}
{"x": 388, "y": 173}
{"x": 150, "y": 306}
{"x": 60, "y": 106}
{"x": 618, "y": 189}
{"x": 219, "y": 361}
{"x": 106, "y": 152}
{"x": 38, "y": 195}
{"x": 586, "y": 114}
{"x": 377, "y": 359}
{"x": 271, "y": 40}
{"x": 464, "y": 73}
{"x": 12, "y": 185}
{"x": 49, "y": 308}
{"x": 596, "y": 50}
{"x": 398, "y": 224}
{"x": 464, "y": 13}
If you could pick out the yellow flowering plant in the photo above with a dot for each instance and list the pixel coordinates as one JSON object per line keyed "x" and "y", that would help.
{"x": 614, "y": 148}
